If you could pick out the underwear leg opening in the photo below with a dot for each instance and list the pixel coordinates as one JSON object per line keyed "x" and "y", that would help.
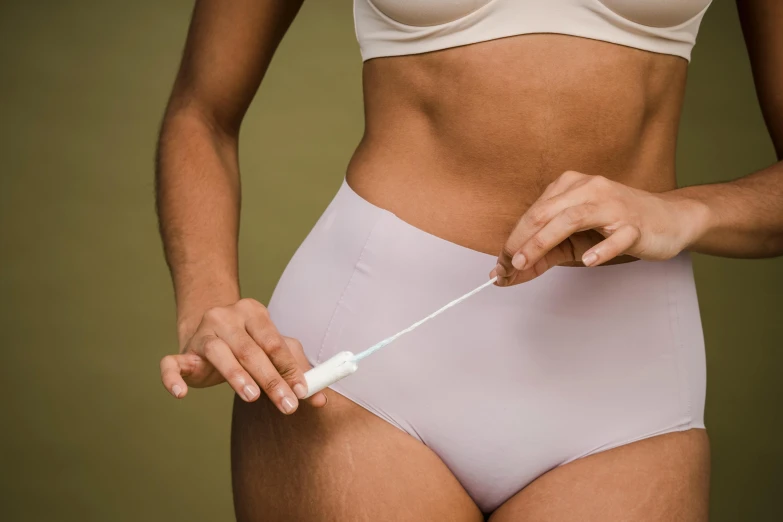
{"x": 378, "y": 413}
{"x": 686, "y": 426}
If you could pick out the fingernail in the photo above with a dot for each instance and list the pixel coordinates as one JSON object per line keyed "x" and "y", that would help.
{"x": 250, "y": 392}
{"x": 176, "y": 390}
{"x": 494, "y": 273}
{"x": 300, "y": 390}
{"x": 288, "y": 405}
{"x": 500, "y": 271}
{"x": 589, "y": 258}
{"x": 518, "y": 261}
{"x": 326, "y": 399}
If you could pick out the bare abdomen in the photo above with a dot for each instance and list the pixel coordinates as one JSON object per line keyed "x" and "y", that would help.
{"x": 460, "y": 142}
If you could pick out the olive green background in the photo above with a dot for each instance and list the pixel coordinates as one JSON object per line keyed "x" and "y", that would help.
{"x": 88, "y": 433}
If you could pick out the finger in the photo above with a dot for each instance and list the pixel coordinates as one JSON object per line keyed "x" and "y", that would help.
{"x": 255, "y": 360}
{"x": 559, "y": 255}
{"x": 571, "y": 220}
{"x": 623, "y": 239}
{"x": 171, "y": 375}
{"x": 565, "y": 181}
{"x": 220, "y": 355}
{"x": 318, "y": 399}
{"x": 264, "y": 333}
{"x": 532, "y": 221}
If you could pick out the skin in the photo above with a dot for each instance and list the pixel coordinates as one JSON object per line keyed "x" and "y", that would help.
{"x": 566, "y": 150}
{"x": 221, "y": 337}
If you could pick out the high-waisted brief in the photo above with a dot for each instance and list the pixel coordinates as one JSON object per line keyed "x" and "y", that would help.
{"x": 514, "y": 381}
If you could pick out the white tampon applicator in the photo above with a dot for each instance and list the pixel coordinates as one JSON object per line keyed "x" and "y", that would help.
{"x": 344, "y": 364}
{"x": 329, "y": 372}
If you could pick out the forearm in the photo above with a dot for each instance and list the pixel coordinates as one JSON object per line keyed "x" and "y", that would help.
{"x": 198, "y": 201}
{"x": 741, "y": 218}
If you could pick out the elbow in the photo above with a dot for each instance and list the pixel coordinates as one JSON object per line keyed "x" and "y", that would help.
{"x": 185, "y": 112}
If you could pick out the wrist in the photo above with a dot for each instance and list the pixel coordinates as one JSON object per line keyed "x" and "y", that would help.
{"x": 695, "y": 218}
{"x": 191, "y": 310}
{"x": 186, "y": 327}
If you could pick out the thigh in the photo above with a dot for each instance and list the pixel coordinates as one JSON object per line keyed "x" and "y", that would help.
{"x": 660, "y": 479}
{"x": 337, "y": 463}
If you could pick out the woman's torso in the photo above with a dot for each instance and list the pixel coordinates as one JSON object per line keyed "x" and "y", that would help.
{"x": 461, "y": 141}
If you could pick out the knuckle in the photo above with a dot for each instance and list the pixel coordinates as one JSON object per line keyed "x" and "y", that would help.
{"x": 271, "y": 384}
{"x": 599, "y": 181}
{"x": 273, "y": 345}
{"x": 165, "y": 363}
{"x": 261, "y": 310}
{"x": 576, "y": 215}
{"x": 210, "y": 345}
{"x": 251, "y": 305}
{"x": 244, "y": 303}
{"x": 538, "y": 242}
{"x": 538, "y": 216}
{"x": 293, "y": 343}
{"x": 287, "y": 370}
{"x": 245, "y": 351}
{"x": 507, "y": 252}
{"x": 214, "y": 314}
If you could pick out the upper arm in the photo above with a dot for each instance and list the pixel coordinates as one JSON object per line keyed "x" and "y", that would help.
{"x": 229, "y": 47}
{"x": 762, "y": 25}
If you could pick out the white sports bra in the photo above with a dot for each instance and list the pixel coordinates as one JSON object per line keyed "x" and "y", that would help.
{"x": 399, "y": 27}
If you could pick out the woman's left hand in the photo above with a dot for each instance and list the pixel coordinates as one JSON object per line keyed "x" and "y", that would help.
{"x": 592, "y": 219}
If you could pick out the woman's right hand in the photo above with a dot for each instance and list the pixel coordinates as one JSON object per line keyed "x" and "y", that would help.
{"x": 239, "y": 344}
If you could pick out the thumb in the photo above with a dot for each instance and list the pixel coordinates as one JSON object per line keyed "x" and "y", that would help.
{"x": 172, "y": 367}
